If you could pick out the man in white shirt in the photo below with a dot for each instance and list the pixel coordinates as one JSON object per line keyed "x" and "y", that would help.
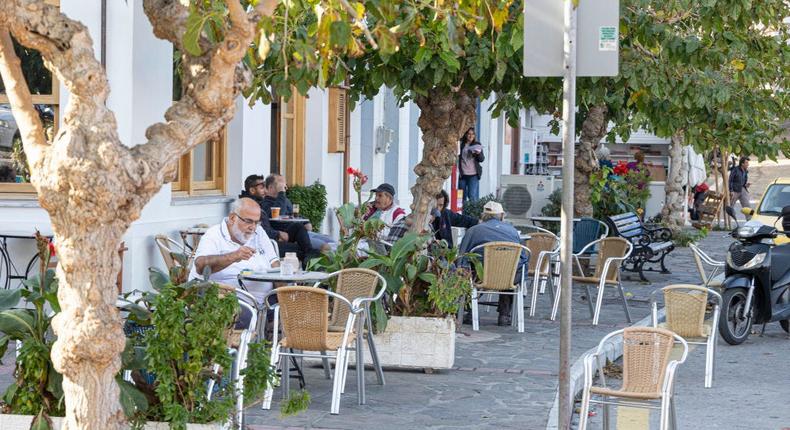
{"x": 235, "y": 244}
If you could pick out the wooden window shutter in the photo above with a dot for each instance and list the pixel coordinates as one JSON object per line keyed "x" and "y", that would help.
{"x": 338, "y": 119}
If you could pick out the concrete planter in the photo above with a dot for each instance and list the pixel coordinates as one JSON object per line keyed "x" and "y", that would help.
{"x": 22, "y": 422}
{"x": 415, "y": 342}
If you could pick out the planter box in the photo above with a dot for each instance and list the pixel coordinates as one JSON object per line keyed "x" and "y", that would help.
{"x": 415, "y": 342}
{"x": 22, "y": 422}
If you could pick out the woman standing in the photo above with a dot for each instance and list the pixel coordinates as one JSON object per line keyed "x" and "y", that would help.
{"x": 469, "y": 166}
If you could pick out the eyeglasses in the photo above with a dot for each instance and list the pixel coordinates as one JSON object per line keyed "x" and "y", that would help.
{"x": 246, "y": 220}
{"x": 259, "y": 184}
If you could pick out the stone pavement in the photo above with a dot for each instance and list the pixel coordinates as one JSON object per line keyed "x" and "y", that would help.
{"x": 503, "y": 379}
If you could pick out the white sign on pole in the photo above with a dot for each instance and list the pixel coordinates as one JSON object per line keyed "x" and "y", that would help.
{"x": 597, "y": 49}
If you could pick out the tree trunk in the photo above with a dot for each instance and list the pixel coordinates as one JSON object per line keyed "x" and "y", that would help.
{"x": 593, "y": 130}
{"x": 672, "y": 213}
{"x": 94, "y": 187}
{"x": 443, "y": 119}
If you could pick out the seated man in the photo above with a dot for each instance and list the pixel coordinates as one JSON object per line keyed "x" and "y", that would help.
{"x": 235, "y": 244}
{"x": 274, "y": 197}
{"x": 385, "y": 209}
{"x": 295, "y": 240}
{"x": 492, "y": 228}
{"x": 444, "y": 219}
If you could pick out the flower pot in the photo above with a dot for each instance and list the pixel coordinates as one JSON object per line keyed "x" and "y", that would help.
{"x": 22, "y": 422}
{"x": 415, "y": 342}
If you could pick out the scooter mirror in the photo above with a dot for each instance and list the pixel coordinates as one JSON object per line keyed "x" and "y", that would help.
{"x": 786, "y": 220}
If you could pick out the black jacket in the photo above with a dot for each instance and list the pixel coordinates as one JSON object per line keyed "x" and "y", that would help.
{"x": 281, "y": 201}
{"x": 442, "y": 224}
{"x": 738, "y": 179}
{"x": 479, "y": 158}
{"x": 265, "y": 224}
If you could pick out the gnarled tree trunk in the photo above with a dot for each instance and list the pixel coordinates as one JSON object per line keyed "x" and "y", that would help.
{"x": 593, "y": 130}
{"x": 444, "y": 116}
{"x": 94, "y": 187}
{"x": 672, "y": 213}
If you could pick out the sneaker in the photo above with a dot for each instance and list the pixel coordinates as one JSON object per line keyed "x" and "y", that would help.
{"x": 503, "y": 320}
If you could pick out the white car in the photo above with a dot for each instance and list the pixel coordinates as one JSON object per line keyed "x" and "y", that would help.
{"x": 8, "y": 128}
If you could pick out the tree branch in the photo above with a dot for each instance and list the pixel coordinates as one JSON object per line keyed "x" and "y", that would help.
{"x": 27, "y": 119}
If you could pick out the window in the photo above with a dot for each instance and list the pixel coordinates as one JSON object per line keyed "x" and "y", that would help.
{"x": 288, "y": 118}
{"x": 14, "y": 173}
{"x": 202, "y": 170}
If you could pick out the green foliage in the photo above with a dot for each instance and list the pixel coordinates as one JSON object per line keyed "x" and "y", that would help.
{"x": 684, "y": 237}
{"x": 311, "y": 200}
{"x": 475, "y": 208}
{"x": 19, "y": 159}
{"x": 613, "y": 194}
{"x": 37, "y": 385}
{"x": 172, "y": 360}
{"x": 297, "y": 401}
{"x": 554, "y": 206}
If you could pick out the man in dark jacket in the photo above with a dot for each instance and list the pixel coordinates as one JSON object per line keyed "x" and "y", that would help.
{"x": 445, "y": 219}
{"x": 739, "y": 184}
{"x": 295, "y": 239}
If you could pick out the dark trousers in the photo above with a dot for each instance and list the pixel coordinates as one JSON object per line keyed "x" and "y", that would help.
{"x": 298, "y": 242}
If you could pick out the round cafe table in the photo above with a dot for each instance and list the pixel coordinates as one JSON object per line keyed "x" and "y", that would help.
{"x": 276, "y": 276}
{"x": 281, "y": 223}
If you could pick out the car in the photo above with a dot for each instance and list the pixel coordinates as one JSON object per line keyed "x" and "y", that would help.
{"x": 8, "y": 128}
{"x": 769, "y": 210}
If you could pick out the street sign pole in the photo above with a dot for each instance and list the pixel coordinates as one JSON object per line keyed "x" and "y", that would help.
{"x": 566, "y": 229}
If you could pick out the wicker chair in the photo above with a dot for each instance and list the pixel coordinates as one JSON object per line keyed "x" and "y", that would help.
{"x": 685, "y": 307}
{"x": 304, "y": 313}
{"x": 238, "y": 339}
{"x": 714, "y": 279}
{"x": 611, "y": 252}
{"x": 359, "y": 287}
{"x": 543, "y": 245}
{"x": 500, "y": 264}
{"x": 168, "y": 247}
{"x": 648, "y": 375}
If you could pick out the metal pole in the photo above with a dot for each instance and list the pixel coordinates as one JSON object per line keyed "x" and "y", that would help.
{"x": 566, "y": 229}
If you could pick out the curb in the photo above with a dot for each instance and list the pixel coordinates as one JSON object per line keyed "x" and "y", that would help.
{"x": 613, "y": 350}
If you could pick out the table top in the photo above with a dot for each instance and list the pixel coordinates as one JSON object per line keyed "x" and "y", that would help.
{"x": 289, "y": 219}
{"x": 20, "y": 234}
{"x": 549, "y": 219}
{"x": 524, "y": 236}
{"x": 279, "y": 277}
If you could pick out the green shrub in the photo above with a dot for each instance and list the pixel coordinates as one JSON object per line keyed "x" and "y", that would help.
{"x": 682, "y": 238}
{"x": 475, "y": 208}
{"x": 312, "y": 202}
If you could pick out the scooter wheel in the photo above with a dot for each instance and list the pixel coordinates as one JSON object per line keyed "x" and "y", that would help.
{"x": 733, "y": 327}
{"x": 785, "y": 325}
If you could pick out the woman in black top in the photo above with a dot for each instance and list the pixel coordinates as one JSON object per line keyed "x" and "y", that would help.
{"x": 444, "y": 219}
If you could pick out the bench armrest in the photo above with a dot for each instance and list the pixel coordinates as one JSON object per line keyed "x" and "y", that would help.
{"x": 659, "y": 234}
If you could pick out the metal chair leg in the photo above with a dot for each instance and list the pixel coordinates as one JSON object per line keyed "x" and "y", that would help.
{"x": 325, "y": 362}
{"x": 520, "y": 305}
{"x": 372, "y": 347}
{"x": 584, "y": 412}
{"x": 360, "y": 368}
{"x": 534, "y": 299}
{"x": 673, "y": 413}
{"x": 598, "y": 303}
{"x": 338, "y": 379}
{"x": 285, "y": 379}
{"x": 475, "y": 312}
{"x": 709, "y": 351}
{"x": 556, "y": 307}
{"x": 625, "y": 302}
{"x": 589, "y": 300}
{"x": 606, "y": 421}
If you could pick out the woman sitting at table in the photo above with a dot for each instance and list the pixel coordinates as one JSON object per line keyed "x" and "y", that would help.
{"x": 444, "y": 219}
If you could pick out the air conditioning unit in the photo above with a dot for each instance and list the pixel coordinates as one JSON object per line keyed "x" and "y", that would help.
{"x": 523, "y": 196}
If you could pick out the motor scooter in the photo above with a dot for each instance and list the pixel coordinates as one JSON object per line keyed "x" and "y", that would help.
{"x": 756, "y": 287}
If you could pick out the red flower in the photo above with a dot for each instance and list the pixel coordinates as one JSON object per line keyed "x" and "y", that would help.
{"x": 350, "y": 170}
{"x": 621, "y": 168}
{"x": 51, "y": 249}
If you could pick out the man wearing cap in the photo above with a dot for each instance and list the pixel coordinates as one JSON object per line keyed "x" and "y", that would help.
{"x": 493, "y": 228}
{"x": 384, "y": 208}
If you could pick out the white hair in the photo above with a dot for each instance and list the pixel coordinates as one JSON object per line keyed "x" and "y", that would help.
{"x": 235, "y": 206}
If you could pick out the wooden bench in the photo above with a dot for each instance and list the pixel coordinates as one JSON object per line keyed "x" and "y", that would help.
{"x": 651, "y": 244}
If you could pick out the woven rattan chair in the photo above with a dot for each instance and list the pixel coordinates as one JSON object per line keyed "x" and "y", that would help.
{"x": 611, "y": 252}
{"x": 648, "y": 375}
{"x": 238, "y": 338}
{"x": 714, "y": 279}
{"x": 357, "y": 286}
{"x": 542, "y": 245}
{"x": 500, "y": 264}
{"x": 304, "y": 314}
{"x": 168, "y": 247}
{"x": 685, "y": 307}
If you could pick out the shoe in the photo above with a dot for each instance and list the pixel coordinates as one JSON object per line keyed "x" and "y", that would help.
{"x": 503, "y": 320}
{"x": 467, "y": 318}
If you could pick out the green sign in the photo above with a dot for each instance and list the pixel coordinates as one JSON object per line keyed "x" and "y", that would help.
{"x": 607, "y": 38}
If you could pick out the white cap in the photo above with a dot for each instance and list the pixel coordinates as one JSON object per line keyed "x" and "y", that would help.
{"x": 493, "y": 208}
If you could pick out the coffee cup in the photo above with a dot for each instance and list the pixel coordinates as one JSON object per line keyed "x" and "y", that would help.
{"x": 275, "y": 212}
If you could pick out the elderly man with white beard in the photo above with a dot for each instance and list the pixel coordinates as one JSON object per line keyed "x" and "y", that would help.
{"x": 235, "y": 244}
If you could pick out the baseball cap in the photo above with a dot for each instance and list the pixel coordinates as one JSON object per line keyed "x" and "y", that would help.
{"x": 493, "y": 208}
{"x": 385, "y": 188}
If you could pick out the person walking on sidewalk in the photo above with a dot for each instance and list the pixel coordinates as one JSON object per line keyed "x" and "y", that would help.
{"x": 469, "y": 166}
{"x": 739, "y": 184}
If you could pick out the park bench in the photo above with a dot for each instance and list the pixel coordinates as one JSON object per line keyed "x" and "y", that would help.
{"x": 651, "y": 244}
